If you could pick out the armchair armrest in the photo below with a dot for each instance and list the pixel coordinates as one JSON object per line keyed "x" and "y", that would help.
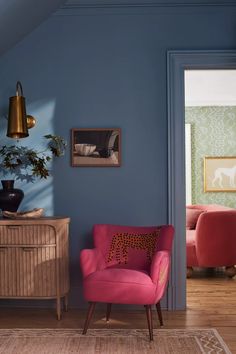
{"x": 91, "y": 260}
{"x": 160, "y": 267}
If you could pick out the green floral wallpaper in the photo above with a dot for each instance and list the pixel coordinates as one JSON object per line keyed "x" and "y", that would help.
{"x": 213, "y": 133}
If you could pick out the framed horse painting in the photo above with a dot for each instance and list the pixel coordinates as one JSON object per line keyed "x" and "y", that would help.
{"x": 220, "y": 174}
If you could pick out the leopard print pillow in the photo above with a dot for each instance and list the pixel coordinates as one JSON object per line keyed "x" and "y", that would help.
{"x": 122, "y": 242}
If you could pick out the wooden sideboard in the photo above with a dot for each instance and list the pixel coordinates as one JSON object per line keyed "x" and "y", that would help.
{"x": 34, "y": 259}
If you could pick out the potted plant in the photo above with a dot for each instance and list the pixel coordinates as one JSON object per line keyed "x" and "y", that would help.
{"x": 26, "y": 163}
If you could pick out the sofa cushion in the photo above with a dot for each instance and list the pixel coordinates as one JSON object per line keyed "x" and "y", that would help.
{"x": 192, "y": 216}
{"x": 208, "y": 207}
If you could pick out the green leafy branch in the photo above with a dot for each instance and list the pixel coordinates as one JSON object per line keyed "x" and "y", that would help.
{"x": 26, "y": 163}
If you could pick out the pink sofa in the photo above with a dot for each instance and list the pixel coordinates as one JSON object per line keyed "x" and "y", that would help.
{"x": 211, "y": 237}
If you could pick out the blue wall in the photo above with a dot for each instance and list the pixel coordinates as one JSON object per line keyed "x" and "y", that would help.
{"x": 106, "y": 67}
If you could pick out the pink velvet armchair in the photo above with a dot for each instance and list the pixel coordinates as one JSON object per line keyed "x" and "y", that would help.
{"x": 129, "y": 265}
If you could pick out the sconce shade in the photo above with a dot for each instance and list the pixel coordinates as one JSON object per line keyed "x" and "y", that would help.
{"x": 17, "y": 120}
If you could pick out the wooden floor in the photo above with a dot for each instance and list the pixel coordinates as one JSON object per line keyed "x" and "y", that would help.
{"x": 211, "y": 300}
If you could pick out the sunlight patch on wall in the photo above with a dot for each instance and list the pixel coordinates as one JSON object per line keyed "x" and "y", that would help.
{"x": 38, "y": 194}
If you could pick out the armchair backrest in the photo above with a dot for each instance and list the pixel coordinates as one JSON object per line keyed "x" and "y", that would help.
{"x": 131, "y": 246}
{"x": 216, "y": 238}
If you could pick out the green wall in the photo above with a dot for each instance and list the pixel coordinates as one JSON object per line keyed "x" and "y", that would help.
{"x": 213, "y": 133}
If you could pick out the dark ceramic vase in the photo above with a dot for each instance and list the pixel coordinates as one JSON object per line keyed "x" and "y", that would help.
{"x": 10, "y": 197}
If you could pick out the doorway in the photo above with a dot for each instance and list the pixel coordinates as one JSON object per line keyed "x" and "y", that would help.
{"x": 177, "y": 63}
{"x": 210, "y": 137}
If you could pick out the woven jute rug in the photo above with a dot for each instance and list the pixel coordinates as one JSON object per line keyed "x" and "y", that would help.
{"x": 111, "y": 341}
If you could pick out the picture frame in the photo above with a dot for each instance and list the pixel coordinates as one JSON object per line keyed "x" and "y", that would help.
{"x": 220, "y": 174}
{"x": 96, "y": 147}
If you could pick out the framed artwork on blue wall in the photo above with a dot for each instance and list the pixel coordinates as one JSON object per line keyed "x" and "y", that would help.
{"x": 96, "y": 147}
{"x": 220, "y": 174}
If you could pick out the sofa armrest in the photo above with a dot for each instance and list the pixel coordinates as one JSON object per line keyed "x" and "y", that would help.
{"x": 160, "y": 267}
{"x": 215, "y": 238}
{"x": 91, "y": 260}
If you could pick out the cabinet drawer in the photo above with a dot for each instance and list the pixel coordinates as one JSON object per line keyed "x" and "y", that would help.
{"x": 8, "y": 272}
{"x": 27, "y": 235}
{"x": 27, "y": 271}
{"x": 36, "y": 271}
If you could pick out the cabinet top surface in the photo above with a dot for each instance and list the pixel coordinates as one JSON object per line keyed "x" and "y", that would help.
{"x": 43, "y": 220}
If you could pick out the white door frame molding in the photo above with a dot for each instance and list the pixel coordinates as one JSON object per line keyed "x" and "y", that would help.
{"x": 177, "y": 62}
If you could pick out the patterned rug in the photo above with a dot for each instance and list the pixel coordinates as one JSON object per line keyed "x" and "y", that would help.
{"x": 110, "y": 341}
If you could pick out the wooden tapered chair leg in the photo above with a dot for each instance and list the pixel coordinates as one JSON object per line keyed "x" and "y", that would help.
{"x": 108, "y": 312}
{"x": 159, "y": 313}
{"x": 149, "y": 320}
{"x": 89, "y": 316}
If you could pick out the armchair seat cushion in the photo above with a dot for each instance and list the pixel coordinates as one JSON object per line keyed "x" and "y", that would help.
{"x": 124, "y": 286}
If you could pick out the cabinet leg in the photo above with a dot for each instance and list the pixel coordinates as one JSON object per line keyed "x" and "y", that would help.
{"x": 58, "y": 308}
{"x": 66, "y": 303}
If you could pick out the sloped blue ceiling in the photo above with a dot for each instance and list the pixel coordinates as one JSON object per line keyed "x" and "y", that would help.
{"x": 20, "y": 17}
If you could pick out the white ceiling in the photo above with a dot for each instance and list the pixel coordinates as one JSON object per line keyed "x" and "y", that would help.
{"x": 210, "y": 87}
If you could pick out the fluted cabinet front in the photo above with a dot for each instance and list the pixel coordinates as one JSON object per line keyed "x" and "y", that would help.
{"x": 34, "y": 259}
{"x": 7, "y": 272}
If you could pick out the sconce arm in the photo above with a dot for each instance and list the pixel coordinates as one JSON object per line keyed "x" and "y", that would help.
{"x": 19, "y": 88}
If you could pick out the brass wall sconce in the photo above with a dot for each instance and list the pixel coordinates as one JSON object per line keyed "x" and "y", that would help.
{"x": 18, "y": 121}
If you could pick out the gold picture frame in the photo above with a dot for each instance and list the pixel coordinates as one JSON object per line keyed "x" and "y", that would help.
{"x": 220, "y": 174}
